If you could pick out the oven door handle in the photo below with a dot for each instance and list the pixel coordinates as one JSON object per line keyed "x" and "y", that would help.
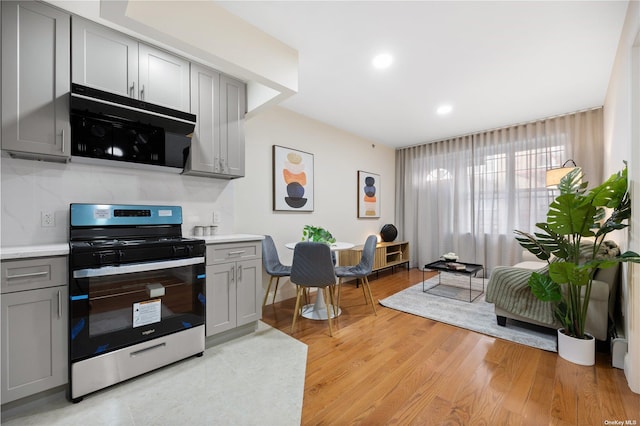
{"x": 136, "y": 267}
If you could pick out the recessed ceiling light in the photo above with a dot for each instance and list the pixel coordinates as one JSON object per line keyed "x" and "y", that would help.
{"x": 444, "y": 109}
{"x": 382, "y": 61}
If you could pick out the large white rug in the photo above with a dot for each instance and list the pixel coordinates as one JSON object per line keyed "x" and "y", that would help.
{"x": 476, "y": 316}
{"x": 257, "y": 379}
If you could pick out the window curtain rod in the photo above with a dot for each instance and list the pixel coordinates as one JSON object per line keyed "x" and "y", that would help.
{"x": 495, "y": 129}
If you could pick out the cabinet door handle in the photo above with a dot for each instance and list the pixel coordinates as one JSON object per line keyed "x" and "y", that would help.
{"x": 142, "y": 93}
{"x": 31, "y": 274}
{"x": 59, "y": 305}
{"x": 239, "y": 273}
{"x": 237, "y": 252}
{"x": 232, "y": 273}
{"x": 62, "y": 137}
{"x": 132, "y": 89}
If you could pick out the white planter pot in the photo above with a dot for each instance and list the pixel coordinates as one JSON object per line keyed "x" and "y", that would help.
{"x": 578, "y": 351}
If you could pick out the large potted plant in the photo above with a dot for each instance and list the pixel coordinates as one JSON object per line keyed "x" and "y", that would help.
{"x": 576, "y": 227}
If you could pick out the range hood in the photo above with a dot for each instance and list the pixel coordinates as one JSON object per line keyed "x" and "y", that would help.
{"x": 114, "y": 130}
{"x": 110, "y": 105}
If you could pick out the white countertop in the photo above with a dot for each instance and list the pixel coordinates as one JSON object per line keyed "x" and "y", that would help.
{"x": 20, "y": 252}
{"x": 229, "y": 238}
{"x": 23, "y": 252}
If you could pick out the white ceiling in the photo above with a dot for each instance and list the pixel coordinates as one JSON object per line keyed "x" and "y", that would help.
{"x": 496, "y": 63}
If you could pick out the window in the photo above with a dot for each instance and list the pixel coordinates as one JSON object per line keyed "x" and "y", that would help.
{"x": 439, "y": 174}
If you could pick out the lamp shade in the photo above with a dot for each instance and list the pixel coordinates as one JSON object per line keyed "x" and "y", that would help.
{"x": 555, "y": 175}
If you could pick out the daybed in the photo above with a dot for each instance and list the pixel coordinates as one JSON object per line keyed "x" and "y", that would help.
{"x": 507, "y": 289}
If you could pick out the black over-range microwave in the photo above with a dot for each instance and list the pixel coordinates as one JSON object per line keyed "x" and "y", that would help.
{"x": 112, "y": 129}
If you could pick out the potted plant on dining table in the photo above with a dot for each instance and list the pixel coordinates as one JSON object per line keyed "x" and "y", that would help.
{"x": 571, "y": 241}
{"x": 317, "y": 234}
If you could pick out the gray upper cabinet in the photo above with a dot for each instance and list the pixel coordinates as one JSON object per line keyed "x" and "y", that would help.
{"x": 219, "y": 103}
{"x": 204, "y": 156}
{"x": 103, "y": 58}
{"x": 232, "y": 110}
{"x": 164, "y": 78}
{"x": 35, "y": 80}
{"x": 112, "y": 61}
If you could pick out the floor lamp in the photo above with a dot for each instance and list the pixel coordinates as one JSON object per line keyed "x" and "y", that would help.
{"x": 555, "y": 175}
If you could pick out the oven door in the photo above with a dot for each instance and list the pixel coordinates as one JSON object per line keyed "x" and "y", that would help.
{"x": 116, "y": 306}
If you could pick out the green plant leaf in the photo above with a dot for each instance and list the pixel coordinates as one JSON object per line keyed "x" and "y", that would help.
{"x": 543, "y": 244}
{"x": 561, "y": 313}
{"x": 543, "y": 287}
{"x": 554, "y": 242}
{"x": 535, "y": 247}
{"x": 570, "y": 273}
{"x": 630, "y": 256}
{"x": 570, "y": 215}
{"x": 621, "y": 213}
{"x": 571, "y": 183}
{"x": 611, "y": 192}
{"x": 317, "y": 234}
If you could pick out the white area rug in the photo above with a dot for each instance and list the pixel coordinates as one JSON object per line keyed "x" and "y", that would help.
{"x": 477, "y": 316}
{"x": 256, "y": 379}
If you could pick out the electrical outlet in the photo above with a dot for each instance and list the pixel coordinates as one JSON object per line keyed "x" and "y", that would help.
{"x": 47, "y": 219}
{"x": 216, "y": 217}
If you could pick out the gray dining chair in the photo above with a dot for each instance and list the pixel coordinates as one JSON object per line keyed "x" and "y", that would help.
{"x": 360, "y": 271}
{"x": 312, "y": 267}
{"x": 272, "y": 265}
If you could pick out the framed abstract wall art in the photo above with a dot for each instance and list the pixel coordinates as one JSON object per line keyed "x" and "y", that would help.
{"x": 292, "y": 180}
{"x": 368, "y": 194}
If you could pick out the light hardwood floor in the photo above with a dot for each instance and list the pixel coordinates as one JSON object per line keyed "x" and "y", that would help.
{"x": 397, "y": 368}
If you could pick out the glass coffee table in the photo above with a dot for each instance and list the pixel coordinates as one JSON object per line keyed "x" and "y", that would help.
{"x": 451, "y": 287}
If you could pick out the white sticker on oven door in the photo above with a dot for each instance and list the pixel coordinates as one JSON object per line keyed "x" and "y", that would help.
{"x": 164, "y": 213}
{"x": 146, "y": 312}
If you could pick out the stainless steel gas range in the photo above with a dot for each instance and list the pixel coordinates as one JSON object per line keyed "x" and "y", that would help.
{"x": 136, "y": 293}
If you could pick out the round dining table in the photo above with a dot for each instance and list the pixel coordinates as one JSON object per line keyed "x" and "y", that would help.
{"x": 318, "y": 310}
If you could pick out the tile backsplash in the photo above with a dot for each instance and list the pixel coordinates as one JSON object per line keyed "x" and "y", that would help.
{"x": 30, "y": 188}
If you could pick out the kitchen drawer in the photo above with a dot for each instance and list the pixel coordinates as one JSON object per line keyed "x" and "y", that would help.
{"x": 34, "y": 273}
{"x": 222, "y": 253}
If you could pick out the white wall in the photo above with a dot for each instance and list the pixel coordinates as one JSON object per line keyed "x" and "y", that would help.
{"x": 31, "y": 187}
{"x": 621, "y": 122}
{"x": 337, "y": 158}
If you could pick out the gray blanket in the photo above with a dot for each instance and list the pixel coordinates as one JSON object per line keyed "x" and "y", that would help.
{"x": 508, "y": 289}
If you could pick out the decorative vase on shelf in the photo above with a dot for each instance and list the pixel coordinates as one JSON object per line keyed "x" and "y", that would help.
{"x": 578, "y": 351}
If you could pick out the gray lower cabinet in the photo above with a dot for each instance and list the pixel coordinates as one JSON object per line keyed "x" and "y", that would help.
{"x": 234, "y": 285}
{"x": 114, "y": 62}
{"x": 217, "y": 146}
{"x": 33, "y": 337}
{"x": 35, "y": 80}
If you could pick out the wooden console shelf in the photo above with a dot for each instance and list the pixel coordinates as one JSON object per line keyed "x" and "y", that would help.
{"x": 387, "y": 255}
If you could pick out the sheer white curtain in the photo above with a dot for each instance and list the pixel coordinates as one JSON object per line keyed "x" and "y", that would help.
{"x": 468, "y": 194}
